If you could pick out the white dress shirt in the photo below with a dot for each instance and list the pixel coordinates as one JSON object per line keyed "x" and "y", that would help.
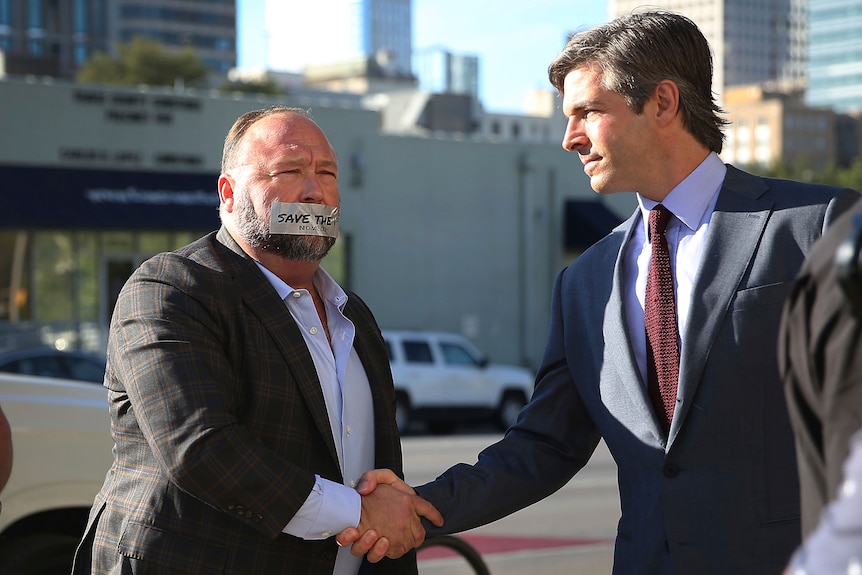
{"x": 692, "y": 202}
{"x": 332, "y": 507}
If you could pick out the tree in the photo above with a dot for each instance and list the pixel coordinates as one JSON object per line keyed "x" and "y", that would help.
{"x": 266, "y": 86}
{"x": 144, "y": 61}
{"x": 846, "y": 177}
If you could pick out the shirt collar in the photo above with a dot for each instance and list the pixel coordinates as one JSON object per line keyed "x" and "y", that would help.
{"x": 691, "y": 198}
{"x": 327, "y": 287}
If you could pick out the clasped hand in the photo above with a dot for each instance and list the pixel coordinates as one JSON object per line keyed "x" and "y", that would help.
{"x": 390, "y": 523}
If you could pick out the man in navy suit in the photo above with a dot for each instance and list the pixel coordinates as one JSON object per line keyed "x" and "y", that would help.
{"x": 707, "y": 479}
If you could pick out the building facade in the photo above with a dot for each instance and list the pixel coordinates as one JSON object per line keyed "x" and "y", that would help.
{"x": 835, "y": 61}
{"x": 54, "y": 38}
{"x": 440, "y": 231}
{"x": 768, "y": 127}
{"x": 206, "y": 26}
{"x": 444, "y": 72}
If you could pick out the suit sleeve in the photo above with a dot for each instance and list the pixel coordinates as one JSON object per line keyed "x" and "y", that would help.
{"x": 553, "y": 439}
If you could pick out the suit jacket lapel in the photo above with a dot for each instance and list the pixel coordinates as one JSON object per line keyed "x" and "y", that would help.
{"x": 618, "y": 343}
{"x": 735, "y": 229}
{"x": 263, "y": 301}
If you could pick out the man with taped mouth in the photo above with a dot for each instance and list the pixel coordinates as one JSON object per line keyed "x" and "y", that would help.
{"x": 248, "y": 391}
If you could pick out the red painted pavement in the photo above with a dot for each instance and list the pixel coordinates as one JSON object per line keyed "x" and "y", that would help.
{"x": 490, "y": 544}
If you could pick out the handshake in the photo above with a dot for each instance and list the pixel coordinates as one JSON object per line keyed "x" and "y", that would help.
{"x": 390, "y": 524}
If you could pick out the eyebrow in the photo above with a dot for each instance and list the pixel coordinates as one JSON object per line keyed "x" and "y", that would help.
{"x": 301, "y": 161}
{"x": 592, "y": 103}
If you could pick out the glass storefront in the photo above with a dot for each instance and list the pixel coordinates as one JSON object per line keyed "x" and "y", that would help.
{"x": 59, "y": 287}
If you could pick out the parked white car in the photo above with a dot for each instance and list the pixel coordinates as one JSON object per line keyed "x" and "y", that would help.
{"x": 62, "y": 444}
{"x": 441, "y": 378}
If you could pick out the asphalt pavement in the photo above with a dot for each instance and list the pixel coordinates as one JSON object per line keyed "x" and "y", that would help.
{"x": 570, "y": 532}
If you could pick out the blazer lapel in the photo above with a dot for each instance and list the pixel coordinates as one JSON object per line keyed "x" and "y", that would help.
{"x": 263, "y": 301}
{"x": 619, "y": 348}
{"x": 735, "y": 229}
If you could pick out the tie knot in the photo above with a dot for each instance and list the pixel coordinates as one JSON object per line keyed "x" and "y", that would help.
{"x": 659, "y": 217}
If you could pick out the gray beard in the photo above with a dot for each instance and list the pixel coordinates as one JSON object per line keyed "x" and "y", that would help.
{"x": 255, "y": 231}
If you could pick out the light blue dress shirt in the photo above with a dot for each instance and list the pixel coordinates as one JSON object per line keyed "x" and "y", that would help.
{"x": 692, "y": 202}
{"x": 332, "y": 507}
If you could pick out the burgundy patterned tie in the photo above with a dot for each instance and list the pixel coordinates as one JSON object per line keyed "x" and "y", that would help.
{"x": 660, "y": 319}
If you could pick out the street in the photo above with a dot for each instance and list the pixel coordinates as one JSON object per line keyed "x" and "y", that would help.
{"x": 570, "y": 532}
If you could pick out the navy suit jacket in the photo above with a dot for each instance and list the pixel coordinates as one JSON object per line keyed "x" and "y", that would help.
{"x": 719, "y": 495}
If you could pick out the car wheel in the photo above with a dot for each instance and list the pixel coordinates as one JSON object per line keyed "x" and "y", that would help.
{"x": 510, "y": 407}
{"x": 402, "y": 411}
{"x": 45, "y": 554}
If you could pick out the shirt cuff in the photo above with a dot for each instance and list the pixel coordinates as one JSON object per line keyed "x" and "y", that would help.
{"x": 329, "y": 509}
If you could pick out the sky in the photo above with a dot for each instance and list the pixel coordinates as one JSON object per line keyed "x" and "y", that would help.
{"x": 515, "y": 40}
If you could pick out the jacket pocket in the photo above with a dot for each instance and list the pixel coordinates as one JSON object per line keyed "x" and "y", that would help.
{"x": 157, "y": 551}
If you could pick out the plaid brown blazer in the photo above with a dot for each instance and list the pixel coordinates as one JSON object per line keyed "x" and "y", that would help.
{"x": 219, "y": 423}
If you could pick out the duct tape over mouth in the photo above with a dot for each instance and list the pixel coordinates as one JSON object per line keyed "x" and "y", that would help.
{"x": 304, "y": 219}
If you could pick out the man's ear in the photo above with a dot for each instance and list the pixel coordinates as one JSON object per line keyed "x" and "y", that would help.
{"x": 667, "y": 101}
{"x": 225, "y": 191}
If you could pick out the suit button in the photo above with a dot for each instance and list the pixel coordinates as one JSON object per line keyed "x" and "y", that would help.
{"x": 258, "y": 518}
{"x": 239, "y": 509}
{"x": 670, "y": 470}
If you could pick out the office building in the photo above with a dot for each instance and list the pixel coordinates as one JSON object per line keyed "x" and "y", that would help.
{"x": 54, "y": 38}
{"x": 835, "y": 54}
{"x": 771, "y": 126}
{"x": 444, "y": 72}
{"x": 378, "y": 30}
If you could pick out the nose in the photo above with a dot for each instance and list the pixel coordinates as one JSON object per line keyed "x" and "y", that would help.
{"x": 312, "y": 190}
{"x": 574, "y": 138}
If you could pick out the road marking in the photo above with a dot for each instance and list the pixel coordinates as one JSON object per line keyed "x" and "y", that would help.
{"x": 488, "y": 545}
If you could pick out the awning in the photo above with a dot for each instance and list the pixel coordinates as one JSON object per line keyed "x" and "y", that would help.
{"x": 56, "y": 198}
{"x": 586, "y": 222}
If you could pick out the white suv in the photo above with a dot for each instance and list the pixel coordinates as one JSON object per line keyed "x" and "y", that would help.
{"x": 441, "y": 378}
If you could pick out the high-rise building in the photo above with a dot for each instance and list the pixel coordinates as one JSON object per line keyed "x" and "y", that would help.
{"x": 206, "y": 26}
{"x": 55, "y": 37}
{"x": 835, "y": 54}
{"x": 753, "y": 41}
{"x": 350, "y": 29}
{"x": 443, "y": 72}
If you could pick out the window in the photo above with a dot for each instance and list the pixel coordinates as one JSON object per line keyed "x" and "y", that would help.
{"x": 454, "y": 354}
{"x": 417, "y": 352}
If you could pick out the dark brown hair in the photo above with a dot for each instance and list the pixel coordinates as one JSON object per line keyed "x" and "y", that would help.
{"x": 637, "y": 52}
